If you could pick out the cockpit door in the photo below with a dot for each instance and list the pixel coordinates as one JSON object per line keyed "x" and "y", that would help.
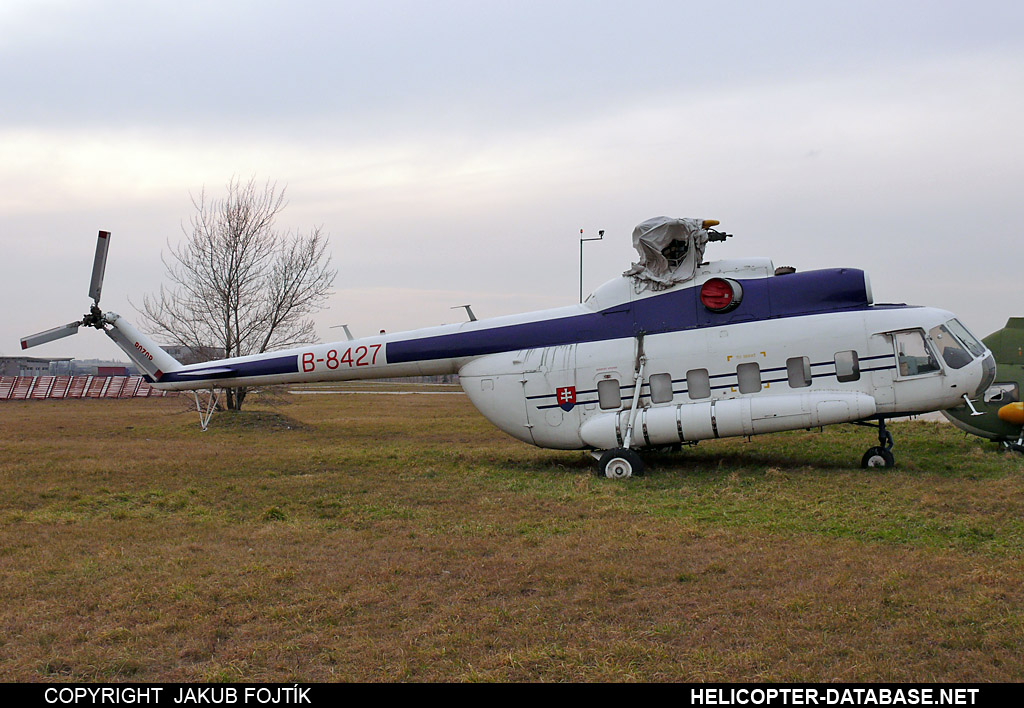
{"x": 918, "y": 379}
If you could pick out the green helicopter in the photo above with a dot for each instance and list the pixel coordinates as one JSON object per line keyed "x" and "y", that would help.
{"x": 999, "y": 416}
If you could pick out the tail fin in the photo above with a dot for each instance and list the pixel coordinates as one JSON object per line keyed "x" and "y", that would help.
{"x": 143, "y": 351}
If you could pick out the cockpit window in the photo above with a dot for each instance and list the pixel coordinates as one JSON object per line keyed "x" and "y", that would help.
{"x": 950, "y": 348}
{"x": 913, "y": 355}
{"x": 969, "y": 340}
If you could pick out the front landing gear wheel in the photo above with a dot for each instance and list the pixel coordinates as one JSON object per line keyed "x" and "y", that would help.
{"x": 620, "y": 463}
{"x": 880, "y": 456}
{"x": 877, "y": 457}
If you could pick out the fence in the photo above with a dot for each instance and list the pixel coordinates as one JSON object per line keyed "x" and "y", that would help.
{"x": 23, "y": 388}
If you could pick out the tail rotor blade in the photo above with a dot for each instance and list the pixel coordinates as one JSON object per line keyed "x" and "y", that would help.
{"x": 99, "y": 265}
{"x": 50, "y": 335}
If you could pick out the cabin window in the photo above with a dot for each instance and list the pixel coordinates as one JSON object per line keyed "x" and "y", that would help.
{"x": 847, "y": 366}
{"x": 748, "y": 376}
{"x": 950, "y": 348}
{"x": 1002, "y": 393}
{"x": 798, "y": 371}
{"x": 608, "y": 394}
{"x": 913, "y": 355}
{"x": 661, "y": 388}
{"x": 698, "y": 383}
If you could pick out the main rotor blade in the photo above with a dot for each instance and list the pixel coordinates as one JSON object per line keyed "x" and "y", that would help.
{"x": 99, "y": 265}
{"x": 50, "y": 335}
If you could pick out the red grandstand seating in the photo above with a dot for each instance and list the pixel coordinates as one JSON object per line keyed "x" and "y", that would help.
{"x": 96, "y": 386}
{"x": 77, "y": 387}
{"x": 42, "y": 387}
{"x": 131, "y": 385}
{"x": 22, "y": 387}
{"x": 114, "y": 387}
{"x": 60, "y": 387}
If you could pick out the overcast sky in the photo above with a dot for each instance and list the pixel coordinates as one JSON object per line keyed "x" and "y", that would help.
{"x": 453, "y": 150}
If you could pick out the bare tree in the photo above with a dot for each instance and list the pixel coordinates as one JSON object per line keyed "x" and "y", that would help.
{"x": 237, "y": 282}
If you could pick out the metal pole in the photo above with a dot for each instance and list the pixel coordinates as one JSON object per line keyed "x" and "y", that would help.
{"x": 581, "y": 265}
{"x": 600, "y": 236}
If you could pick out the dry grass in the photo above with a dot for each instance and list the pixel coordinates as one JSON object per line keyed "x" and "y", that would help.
{"x": 394, "y": 538}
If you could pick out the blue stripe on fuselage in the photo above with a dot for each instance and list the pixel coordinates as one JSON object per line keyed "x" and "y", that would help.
{"x": 260, "y": 367}
{"x": 813, "y": 292}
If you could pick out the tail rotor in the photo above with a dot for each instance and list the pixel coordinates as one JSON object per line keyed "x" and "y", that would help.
{"x": 94, "y": 318}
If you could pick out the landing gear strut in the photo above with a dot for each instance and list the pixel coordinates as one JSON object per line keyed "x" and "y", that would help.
{"x": 880, "y": 456}
{"x": 622, "y": 462}
{"x": 1013, "y": 446}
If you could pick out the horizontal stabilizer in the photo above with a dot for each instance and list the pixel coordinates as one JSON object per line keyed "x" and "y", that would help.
{"x": 200, "y": 373}
{"x": 50, "y": 335}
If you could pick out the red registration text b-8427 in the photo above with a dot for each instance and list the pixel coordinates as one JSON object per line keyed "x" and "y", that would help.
{"x": 360, "y": 356}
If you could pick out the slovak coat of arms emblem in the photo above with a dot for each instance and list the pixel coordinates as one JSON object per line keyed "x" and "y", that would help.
{"x": 566, "y": 397}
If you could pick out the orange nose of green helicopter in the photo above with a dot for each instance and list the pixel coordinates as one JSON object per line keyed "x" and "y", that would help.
{"x": 1012, "y": 413}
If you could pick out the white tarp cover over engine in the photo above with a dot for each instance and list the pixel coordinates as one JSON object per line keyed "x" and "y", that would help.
{"x": 670, "y": 250}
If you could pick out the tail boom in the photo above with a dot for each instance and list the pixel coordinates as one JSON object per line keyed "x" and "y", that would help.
{"x": 357, "y": 359}
{"x": 143, "y": 351}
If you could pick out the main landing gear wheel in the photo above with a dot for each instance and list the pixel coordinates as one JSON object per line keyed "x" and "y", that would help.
{"x": 880, "y": 456}
{"x": 877, "y": 457}
{"x": 620, "y": 463}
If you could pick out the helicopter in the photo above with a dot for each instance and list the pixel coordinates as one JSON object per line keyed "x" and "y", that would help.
{"x": 1002, "y": 412}
{"x": 674, "y": 351}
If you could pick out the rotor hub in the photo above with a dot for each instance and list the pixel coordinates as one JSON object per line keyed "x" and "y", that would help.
{"x": 95, "y": 318}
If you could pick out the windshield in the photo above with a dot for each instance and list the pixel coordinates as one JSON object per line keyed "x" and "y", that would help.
{"x": 950, "y": 349}
{"x": 970, "y": 341}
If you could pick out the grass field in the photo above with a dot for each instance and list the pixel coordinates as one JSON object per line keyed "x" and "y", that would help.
{"x": 360, "y": 537}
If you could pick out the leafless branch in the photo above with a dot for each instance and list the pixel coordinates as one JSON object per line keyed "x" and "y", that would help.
{"x": 236, "y": 282}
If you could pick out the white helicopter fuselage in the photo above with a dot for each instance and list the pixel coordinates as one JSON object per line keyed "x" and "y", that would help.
{"x": 799, "y": 350}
